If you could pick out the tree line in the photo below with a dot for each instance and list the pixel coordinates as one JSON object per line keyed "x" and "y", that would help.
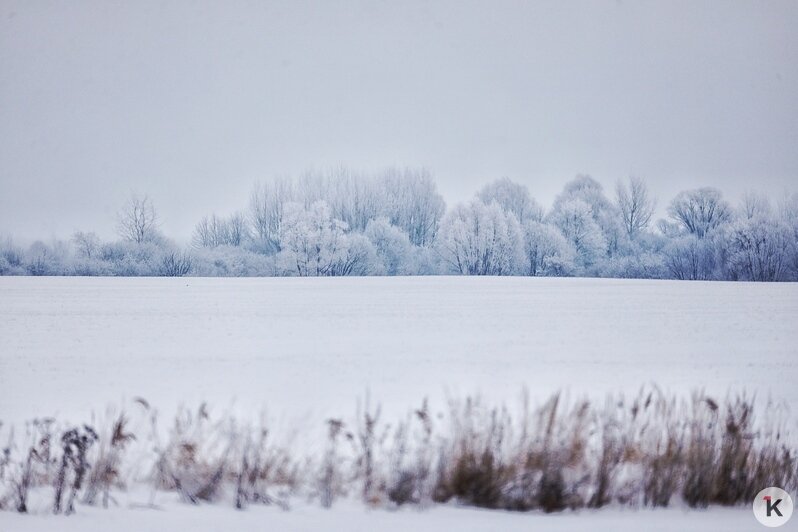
{"x": 395, "y": 222}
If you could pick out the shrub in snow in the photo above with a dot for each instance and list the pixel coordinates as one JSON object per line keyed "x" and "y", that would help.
{"x": 643, "y": 265}
{"x": 12, "y": 258}
{"x": 90, "y": 267}
{"x": 74, "y": 465}
{"x": 130, "y": 258}
{"x": 227, "y": 261}
{"x": 175, "y": 264}
{"x": 106, "y": 471}
{"x": 41, "y": 259}
{"x": 649, "y": 449}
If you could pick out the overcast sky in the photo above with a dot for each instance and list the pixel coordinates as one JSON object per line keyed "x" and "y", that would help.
{"x": 192, "y": 102}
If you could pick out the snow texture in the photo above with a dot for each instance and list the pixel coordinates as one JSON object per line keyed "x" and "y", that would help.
{"x": 308, "y": 348}
{"x": 355, "y": 518}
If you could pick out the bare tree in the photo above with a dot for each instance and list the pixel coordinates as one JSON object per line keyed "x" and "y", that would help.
{"x": 266, "y": 204}
{"x": 754, "y": 204}
{"x": 87, "y": 244}
{"x": 213, "y": 231}
{"x": 635, "y": 205}
{"x": 237, "y": 230}
{"x": 700, "y": 211}
{"x": 413, "y": 203}
{"x": 205, "y": 234}
{"x": 138, "y": 220}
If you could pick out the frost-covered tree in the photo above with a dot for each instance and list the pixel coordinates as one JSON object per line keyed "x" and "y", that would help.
{"x": 407, "y": 197}
{"x": 669, "y": 229}
{"x": 354, "y": 198}
{"x": 512, "y": 197}
{"x": 213, "y": 231}
{"x": 12, "y": 257}
{"x": 340, "y": 222}
{"x": 606, "y": 216}
{"x": 479, "y": 239}
{"x": 587, "y": 189}
{"x": 41, "y": 260}
{"x": 138, "y": 220}
{"x": 635, "y": 205}
{"x": 86, "y": 244}
{"x": 360, "y": 257}
{"x": 313, "y": 186}
{"x": 87, "y": 260}
{"x": 700, "y": 211}
{"x": 393, "y": 247}
{"x": 413, "y": 204}
{"x": 237, "y": 229}
{"x": 788, "y": 214}
{"x": 547, "y": 251}
{"x": 313, "y": 243}
{"x": 759, "y": 247}
{"x": 267, "y": 206}
{"x": 210, "y": 232}
{"x": 754, "y": 204}
{"x": 574, "y": 218}
{"x": 310, "y": 240}
{"x": 691, "y": 258}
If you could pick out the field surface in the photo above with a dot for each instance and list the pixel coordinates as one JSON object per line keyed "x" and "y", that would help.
{"x": 355, "y": 518}
{"x": 308, "y": 348}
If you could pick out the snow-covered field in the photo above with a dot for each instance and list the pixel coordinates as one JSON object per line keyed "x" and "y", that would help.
{"x": 312, "y": 346}
{"x": 305, "y": 349}
{"x": 356, "y": 518}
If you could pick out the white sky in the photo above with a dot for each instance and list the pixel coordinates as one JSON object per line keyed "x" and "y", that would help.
{"x": 192, "y": 102}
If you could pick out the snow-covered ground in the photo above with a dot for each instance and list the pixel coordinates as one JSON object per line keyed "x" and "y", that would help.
{"x": 300, "y": 347}
{"x": 356, "y": 518}
{"x": 305, "y": 349}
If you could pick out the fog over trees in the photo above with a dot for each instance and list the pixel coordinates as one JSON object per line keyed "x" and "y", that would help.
{"x": 395, "y": 222}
